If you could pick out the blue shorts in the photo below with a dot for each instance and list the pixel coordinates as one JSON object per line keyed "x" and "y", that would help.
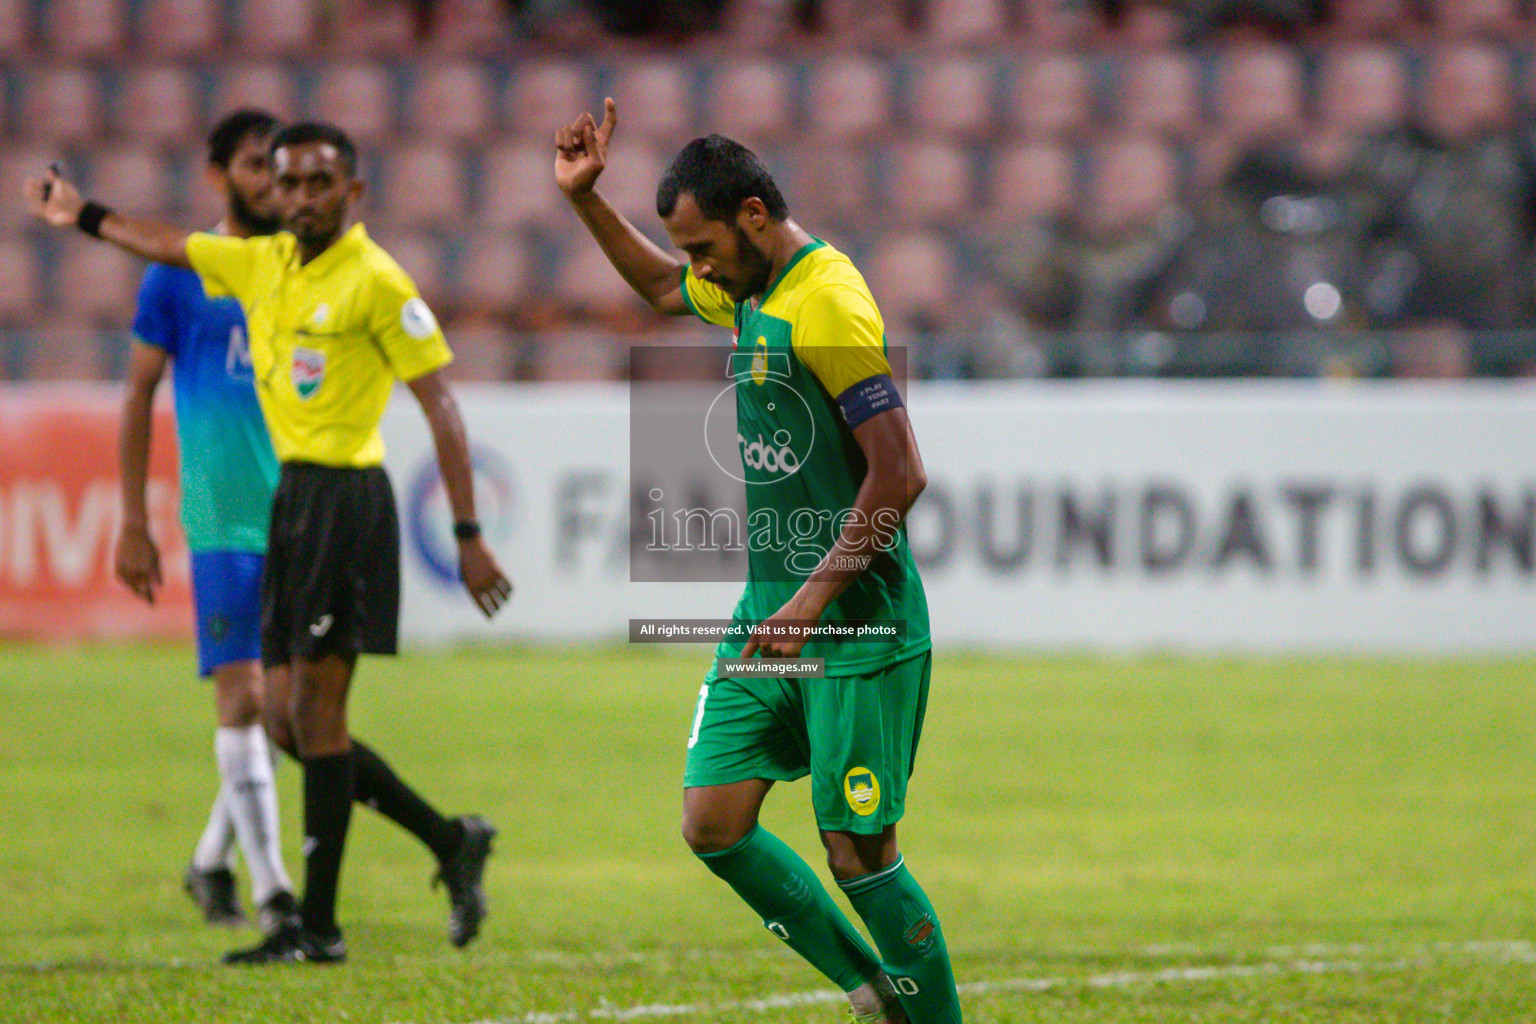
{"x": 226, "y": 591}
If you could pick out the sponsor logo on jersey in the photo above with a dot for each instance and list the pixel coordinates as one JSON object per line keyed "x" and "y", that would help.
{"x": 307, "y": 371}
{"x": 862, "y": 791}
{"x": 765, "y": 456}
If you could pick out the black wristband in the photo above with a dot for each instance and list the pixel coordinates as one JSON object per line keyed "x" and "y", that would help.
{"x": 466, "y": 529}
{"x": 91, "y": 216}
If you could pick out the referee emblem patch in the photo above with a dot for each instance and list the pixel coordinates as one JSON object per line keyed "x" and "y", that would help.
{"x": 308, "y": 371}
{"x": 862, "y": 791}
{"x": 416, "y": 319}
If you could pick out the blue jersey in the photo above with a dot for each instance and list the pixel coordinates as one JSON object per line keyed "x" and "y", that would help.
{"x": 228, "y": 471}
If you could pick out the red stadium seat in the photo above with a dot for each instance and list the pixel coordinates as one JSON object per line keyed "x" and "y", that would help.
{"x": 159, "y": 103}
{"x": 1032, "y": 180}
{"x": 930, "y": 182}
{"x": 1493, "y": 20}
{"x": 517, "y": 186}
{"x": 96, "y": 282}
{"x": 1160, "y": 93}
{"x": 1050, "y": 96}
{"x": 495, "y": 274}
{"x": 15, "y": 26}
{"x": 275, "y": 27}
{"x": 1130, "y": 183}
{"x": 829, "y": 182}
{"x": 86, "y": 28}
{"x": 1467, "y": 90}
{"x": 133, "y": 177}
{"x": 470, "y": 27}
{"x": 629, "y": 181}
{"x": 911, "y": 273}
{"x": 1362, "y": 89}
{"x": 1368, "y": 19}
{"x": 358, "y": 98}
{"x": 1258, "y": 94}
{"x": 751, "y": 101}
{"x": 62, "y": 105}
{"x": 543, "y": 95}
{"x": 266, "y": 87}
{"x": 180, "y": 28}
{"x": 658, "y": 100}
{"x": 18, "y": 162}
{"x": 954, "y": 97}
{"x": 960, "y": 22}
{"x": 424, "y": 187}
{"x": 586, "y": 278}
{"x": 848, "y": 99}
{"x": 450, "y": 101}
{"x": 20, "y": 287}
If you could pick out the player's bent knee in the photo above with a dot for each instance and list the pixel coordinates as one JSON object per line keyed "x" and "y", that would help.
{"x": 705, "y": 836}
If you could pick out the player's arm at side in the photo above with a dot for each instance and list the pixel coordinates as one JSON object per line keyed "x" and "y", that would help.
{"x": 57, "y": 202}
{"x": 136, "y": 558}
{"x": 581, "y": 153}
{"x": 842, "y": 343}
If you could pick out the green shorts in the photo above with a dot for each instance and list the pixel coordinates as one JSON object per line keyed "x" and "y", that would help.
{"x": 856, "y": 736}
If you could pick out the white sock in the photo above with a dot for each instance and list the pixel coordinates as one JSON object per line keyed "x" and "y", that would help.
{"x": 251, "y": 796}
{"x": 216, "y": 846}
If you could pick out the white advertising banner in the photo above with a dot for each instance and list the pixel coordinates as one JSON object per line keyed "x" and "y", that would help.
{"x": 1286, "y": 516}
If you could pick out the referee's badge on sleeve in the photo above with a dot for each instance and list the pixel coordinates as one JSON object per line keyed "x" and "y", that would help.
{"x": 416, "y": 319}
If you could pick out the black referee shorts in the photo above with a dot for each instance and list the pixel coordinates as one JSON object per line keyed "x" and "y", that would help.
{"x": 332, "y": 578}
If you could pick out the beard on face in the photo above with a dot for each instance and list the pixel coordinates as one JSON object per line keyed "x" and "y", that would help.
{"x": 756, "y": 266}
{"x": 257, "y": 223}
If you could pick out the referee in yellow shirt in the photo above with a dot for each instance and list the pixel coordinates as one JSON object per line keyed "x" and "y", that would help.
{"x": 332, "y": 322}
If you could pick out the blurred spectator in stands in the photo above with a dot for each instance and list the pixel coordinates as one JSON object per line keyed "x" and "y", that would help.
{"x": 1097, "y": 270}
{"x": 1446, "y": 199}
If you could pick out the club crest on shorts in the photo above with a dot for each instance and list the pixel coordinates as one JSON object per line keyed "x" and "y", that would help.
{"x": 307, "y": 371}
{"x": 862, "y": 791}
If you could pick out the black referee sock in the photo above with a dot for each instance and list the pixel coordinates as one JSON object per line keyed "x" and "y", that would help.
{"x": 327, "y": 813}
{"x": 379, "y": 787}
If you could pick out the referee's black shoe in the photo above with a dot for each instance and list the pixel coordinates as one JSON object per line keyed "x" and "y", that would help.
{"x": 214, "y": 893}
{"x": 291, "y": 944}
{"x": 463, "y": 874}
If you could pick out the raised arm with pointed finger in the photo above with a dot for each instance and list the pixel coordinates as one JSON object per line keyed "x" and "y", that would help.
{"x": 581, "y": 153}
{"x": 55, "y": 201}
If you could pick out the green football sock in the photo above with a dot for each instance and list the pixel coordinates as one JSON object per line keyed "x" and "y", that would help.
{"x": 785, "y": 892}
{"x": 904, "y": 926}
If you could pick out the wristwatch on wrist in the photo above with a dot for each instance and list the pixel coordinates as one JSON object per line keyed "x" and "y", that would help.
{"x": 466, "y": 529}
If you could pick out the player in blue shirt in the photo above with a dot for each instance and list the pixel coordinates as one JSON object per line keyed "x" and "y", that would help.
{"x": 228, "y": 473}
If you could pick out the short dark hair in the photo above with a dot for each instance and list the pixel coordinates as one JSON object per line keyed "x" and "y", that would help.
{"x": 318, "y": 131}
{"x": 235, "y": 128}
{"x": 720, "y": 174}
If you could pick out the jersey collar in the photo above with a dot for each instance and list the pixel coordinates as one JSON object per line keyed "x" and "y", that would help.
{"x": 800, "y": 254}
{"x": 348, "y": 245}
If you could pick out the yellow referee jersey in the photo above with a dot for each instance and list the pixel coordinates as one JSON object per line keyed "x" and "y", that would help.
{"x": 328, "y": 339}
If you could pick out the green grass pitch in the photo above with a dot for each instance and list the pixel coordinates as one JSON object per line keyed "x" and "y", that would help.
{"x": 1159, "y": 839}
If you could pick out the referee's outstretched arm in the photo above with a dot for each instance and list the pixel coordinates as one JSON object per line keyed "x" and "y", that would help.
{"x": 56, "y": 201}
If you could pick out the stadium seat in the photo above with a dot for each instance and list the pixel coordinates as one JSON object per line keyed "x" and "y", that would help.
{"x": 1160, "y": 93}
{"x": 266, "y": 87}
{"x": 862, "y": 25}
{"x": 20, "y": 287}
{"x": 159, "y": 103}
{"x": 752, "y": 102}
{"x": 180, "y": 28}
{"x": 96, "y": 282}
{"x": 1130, "y": 181}
{"x": 657, "y": 98}
{"x": 1354, "y": 20}
{"x": 1050, "y": 96}
{"x": 517, "y": 188}
{"x": 133, "y": 177}
{"x": 911, "y": 273}
{"x": 1362, "y": 89}
{"x": 494, "y": 274}
{"x": 1467, "y": 89}
{"x": 85, "y": 28}
{"x": 829, "y": 182}
{"x": 1058, "y": 24}
{"x": 545, "y": 94}
{"x": 62, "y": 105}
{"x": 961, "y": 22}
{"x": 275, "y": 27}
{"x": 585, "y": 278}
{"x": 450, "y": 101}
{"x": 373, "y": 28}
{"x": 204, "y": 205}
{"x": 424, "y": 187}
{"x": 65, "y": 348}
{"x": 15, "y": 26}
{"x": 1034, "y": 179}
{"x": 1258, "y": 94}
{"x": 577, "y": 356}
{"x": 848, "y": 99}
{"x": 469, "y": 27}
{"x": 17, "y": 162}
{"x": 421, "y": 256}
{"x": 358, "y": 98}
{"x": 953, "y": 98}
{"x": 481, "y": 352}
{"x": 1492, "y": 20}
{"x": 629, "y": 182}
{"x": 930, "y": 182}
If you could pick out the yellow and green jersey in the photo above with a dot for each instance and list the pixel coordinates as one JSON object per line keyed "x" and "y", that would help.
{"x": 328, "y": 338}
{"x": 811, "y": 339}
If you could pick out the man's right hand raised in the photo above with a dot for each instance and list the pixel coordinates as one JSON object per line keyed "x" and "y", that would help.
{"x": 581, "y": 150}
{"x": 52, "y": 199}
